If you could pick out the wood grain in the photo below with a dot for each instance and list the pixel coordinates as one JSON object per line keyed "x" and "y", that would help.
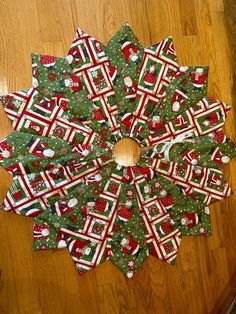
{"x": 203, "y": 278}
{"x": 126, "y": 152}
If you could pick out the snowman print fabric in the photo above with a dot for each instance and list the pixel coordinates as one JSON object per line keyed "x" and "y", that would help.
{"x": 61, "y": 153}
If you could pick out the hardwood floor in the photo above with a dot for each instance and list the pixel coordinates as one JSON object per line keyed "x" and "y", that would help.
{"x": 204, "y": 276}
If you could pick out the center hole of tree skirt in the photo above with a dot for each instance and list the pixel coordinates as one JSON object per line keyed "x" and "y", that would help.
{"x": 126, "y": 152}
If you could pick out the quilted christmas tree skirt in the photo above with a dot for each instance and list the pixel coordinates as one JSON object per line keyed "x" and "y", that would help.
{"x": 116, "y": 152}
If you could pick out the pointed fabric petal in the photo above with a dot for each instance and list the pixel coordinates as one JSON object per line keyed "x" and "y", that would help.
{"x": 30, "y": 194}
{"x": 125, "y": 54}
{"x": 187, "y": 87}
{"x": 159, "y": 65}
{"x": 69, "y": 213}
{"x": 54, "y": 79}
{"x": 207, "y": 184}
{"x": 207, "y": 116}
{"x": 89, "y": 62}
{"x": 22, "y": 153}
{"x": 188, "y": 214}
{"x": 162, "y": 234}
{"x": 213, "y": 150}
{"x": 93, "y": 245}
{"x": 129, "y": 248}
{"x": 85, "y": 51}
{"x": 69, "y": 91}
{"x": 182, "y": 93}
{"x": 36, "y": 115}
{"x": 90, "y": 245}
